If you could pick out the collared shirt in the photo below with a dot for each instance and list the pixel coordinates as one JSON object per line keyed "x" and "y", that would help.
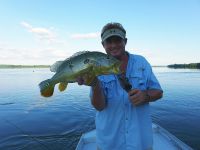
{"x": 121, "y": 125}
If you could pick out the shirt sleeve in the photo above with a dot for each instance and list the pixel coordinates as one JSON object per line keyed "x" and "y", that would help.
{"x": 102, "y": 87}
{"x": 152, "y": 82}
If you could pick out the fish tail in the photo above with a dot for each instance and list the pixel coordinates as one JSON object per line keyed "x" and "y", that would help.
{"x": 46, "y": 88}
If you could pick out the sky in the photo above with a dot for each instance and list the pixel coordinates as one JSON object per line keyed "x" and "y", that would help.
{"x": 42, "y": 32}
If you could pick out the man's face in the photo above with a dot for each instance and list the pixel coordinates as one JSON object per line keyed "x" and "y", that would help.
{"x": 115, "y": 46}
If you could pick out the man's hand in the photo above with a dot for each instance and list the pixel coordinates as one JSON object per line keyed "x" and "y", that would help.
{"x": 138, "y": 97}
{"x": 87, "y": 80}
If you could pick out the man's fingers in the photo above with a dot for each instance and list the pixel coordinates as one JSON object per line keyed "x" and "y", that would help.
{"x": 137, "y": 103}
{"x": 135, "y": 100}
{"x": 80, "y": 80}
{"x": 136, "y": 97}
{"x": 85, "y": 79}
{"x": 133, "y": 92}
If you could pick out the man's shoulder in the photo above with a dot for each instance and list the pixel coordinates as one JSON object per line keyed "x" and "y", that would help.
{"x": 137, "y": 58}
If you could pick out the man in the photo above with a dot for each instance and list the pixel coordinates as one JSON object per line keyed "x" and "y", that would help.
{"x": 123, "y": 120}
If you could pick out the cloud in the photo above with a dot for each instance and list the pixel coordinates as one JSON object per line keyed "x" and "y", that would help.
{"x": 26, "y": 25}
{"x": 86, "y": 35}
{"x": 40, "y": 32}
{"x": 30, "y": 56}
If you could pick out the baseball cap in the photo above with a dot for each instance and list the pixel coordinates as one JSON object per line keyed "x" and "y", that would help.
{"x": 112, "y": 32}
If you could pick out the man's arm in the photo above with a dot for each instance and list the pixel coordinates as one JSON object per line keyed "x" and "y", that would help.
{"x": 138, "y": 97}
{"x": 98, "y": 98}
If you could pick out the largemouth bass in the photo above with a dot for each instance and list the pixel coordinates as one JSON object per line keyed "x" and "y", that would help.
{"x": 83, "y": 63}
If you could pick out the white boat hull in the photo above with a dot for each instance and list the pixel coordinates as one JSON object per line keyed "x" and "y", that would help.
{"x": 163, "y": 140}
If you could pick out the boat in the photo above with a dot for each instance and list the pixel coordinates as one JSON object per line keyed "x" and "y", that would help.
{"x": 163, "y": 140}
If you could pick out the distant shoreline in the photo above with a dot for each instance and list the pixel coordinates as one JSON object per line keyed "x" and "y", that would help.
{"x": 185, "y": 66}
{"x": 4, "y": 66}
{"x": 175, "y": 66}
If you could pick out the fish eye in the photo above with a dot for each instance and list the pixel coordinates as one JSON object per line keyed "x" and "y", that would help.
{"x": 70, "y": 64}
{"x": 86, "y": 61}
{"x": 108, "y": 57}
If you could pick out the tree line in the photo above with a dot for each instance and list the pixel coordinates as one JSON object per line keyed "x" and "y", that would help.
{"x": 191, "y": 65}
{"x": 23, "y": 66}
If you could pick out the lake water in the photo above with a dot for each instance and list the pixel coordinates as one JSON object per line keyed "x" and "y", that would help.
{"x": 31, "y": 122}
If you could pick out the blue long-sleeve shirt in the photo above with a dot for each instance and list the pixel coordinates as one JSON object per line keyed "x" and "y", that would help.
{"x": 121, "y": 125}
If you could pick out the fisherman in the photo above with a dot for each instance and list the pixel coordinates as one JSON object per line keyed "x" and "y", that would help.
{"x": 123, "y": 119}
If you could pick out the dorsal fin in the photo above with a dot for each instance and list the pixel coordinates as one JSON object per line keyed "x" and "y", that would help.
{"x": 79, "y": 53}
{"x": 55, "y": 66}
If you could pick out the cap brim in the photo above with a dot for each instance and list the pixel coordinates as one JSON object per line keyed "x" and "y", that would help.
{"x": 110, "y": 35}
{"x": 113, "y": 32}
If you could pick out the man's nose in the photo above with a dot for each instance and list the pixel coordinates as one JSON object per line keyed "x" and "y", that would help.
{"x": 113, "y": 44}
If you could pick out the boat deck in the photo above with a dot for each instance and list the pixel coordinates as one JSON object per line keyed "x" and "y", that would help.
{"x": 163, "y": 140}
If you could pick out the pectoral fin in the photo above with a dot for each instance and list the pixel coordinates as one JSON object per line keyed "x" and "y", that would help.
{"x": 89, "y": 79}
{"x": 62, "y": 86}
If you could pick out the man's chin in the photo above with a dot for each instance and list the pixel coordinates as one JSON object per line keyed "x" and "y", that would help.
{"x": 116, "y": 56}
{"x": 115, "y": 53}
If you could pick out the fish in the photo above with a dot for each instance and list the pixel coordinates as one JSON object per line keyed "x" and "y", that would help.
{"x": 90, "y": 63}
